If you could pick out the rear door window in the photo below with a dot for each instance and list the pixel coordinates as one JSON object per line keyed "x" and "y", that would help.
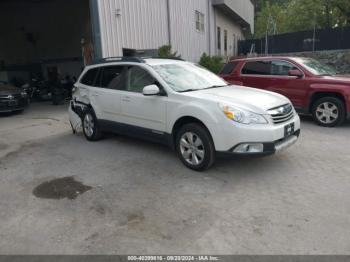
{"x": 90, "y": 77}
{"x": 113, "y": 77}
{"x": 257, "y": 68}
{"x": 228, "y": 68}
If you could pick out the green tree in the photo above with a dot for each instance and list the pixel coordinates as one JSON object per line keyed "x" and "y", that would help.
{"x": 299, "y": 15}
{"x": 272, "y": 18}
{"x": 165, "y": 52}
{"x": 212, "y": 63}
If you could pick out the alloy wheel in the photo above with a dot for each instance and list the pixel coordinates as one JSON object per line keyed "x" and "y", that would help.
{"x": 89, "y": 125}
{"x": 192, "y": 148}
{"x": 327, "y": 113}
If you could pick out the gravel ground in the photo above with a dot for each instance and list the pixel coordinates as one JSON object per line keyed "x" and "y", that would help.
{"x": 137, "y": 198}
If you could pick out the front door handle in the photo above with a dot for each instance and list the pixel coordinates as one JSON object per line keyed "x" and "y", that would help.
{"x": 126, "y": 99}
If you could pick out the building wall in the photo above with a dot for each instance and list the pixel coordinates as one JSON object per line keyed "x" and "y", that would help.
{"x": 234, "y": 33}
{"x": 137, "y": 24}
{"x": 243, "y": 8}
{"x": 132, "y": 24}
{"x": 185, "y": 38}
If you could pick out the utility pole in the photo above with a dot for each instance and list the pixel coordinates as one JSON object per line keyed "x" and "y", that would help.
{"x": 267, "y": 43}
{"x": 314, "y": 35}
{"x": 271, "y": 28}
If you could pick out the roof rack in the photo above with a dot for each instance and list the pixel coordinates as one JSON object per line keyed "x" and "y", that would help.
{"x": 169, "y": 58}
{"x": 133, "y": 59}
{"x": 119, "y": 59}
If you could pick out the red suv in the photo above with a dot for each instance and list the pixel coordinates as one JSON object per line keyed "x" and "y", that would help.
{"x": 314, "y": 88}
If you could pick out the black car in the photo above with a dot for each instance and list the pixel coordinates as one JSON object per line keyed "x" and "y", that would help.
{"x": 12, "y": 98}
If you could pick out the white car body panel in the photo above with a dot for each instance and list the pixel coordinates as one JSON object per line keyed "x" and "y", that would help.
{"x": 160, "y": 113}
{"x": 143, "y": 111}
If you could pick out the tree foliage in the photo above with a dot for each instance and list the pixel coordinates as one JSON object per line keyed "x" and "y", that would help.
{"x": 165, "y": 52}
{"x": 280, "y": 16}
{"x": 212, "y": 63}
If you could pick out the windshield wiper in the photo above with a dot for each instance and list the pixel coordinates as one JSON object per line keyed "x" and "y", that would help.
{"x": 211, "y": 87}
{"x": 192, "y": 89}
{"x": 188, "y": 90}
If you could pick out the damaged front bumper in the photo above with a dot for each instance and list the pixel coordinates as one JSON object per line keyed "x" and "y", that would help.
{"x": 75, "y": 111}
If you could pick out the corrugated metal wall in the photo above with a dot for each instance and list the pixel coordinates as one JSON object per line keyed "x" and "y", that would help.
{"x": 234, "y": 34}
{"x": 185, "y": 39}
{"x": 144, "y": 24}
{"x": 132, "y": 24}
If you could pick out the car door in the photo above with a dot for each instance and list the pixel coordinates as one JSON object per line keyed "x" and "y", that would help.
{"x": 106, "y": 95}
{"x": 290, "y": 86}
{"x": 256, "y": 74}
{"x": 147, "y": 112}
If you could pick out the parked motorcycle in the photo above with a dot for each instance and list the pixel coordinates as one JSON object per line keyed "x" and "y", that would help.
{"x": 38, "y": 90}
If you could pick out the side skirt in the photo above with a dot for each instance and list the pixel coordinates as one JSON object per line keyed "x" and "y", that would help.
{"x": 137, "y": 132}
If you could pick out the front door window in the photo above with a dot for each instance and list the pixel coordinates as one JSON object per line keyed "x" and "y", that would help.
{"x": 138, "y": 78}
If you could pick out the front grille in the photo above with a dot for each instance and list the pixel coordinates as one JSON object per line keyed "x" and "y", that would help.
{"x": 281, "y": 114}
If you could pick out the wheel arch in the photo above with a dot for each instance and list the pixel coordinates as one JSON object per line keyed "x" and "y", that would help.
{"x": 318, "y": 95}
{"x": 187, "y": 120}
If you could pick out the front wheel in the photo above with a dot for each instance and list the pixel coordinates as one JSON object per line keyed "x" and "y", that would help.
{"x": 90, "y": 126}
{"x": 195, "y": 147}
{"x": 329, "y": 112}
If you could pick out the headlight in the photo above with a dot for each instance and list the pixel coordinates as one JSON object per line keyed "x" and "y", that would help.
{"x": 23, "y": 93}
{"x": 242, "y": 116}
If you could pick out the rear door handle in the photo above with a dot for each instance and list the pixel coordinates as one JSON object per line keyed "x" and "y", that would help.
{"x": 95, "y": 95}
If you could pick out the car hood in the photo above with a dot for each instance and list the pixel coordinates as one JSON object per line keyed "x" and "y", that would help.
{"x": 341, "y": 79}
{"x": 9, "y": 90}
{"x": 254, "y": 100}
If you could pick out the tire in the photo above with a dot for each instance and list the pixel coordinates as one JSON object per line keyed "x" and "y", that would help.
{"x": 200, "y": 148}
{"x": 91, "y": 129}
{"x": 329, "y": 112}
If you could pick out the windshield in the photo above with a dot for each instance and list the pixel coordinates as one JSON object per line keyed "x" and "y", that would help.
{"x": 317, "y": 68}
{"x": 183, "y": 77}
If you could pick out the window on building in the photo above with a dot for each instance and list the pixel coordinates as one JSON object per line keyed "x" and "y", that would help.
{"x": 219, "y": 37}
{"x": 225, "y": 41}
{"x": 257, "y": 68}
{"x": 200, "y": 21}
{"x": 234, "y": 45}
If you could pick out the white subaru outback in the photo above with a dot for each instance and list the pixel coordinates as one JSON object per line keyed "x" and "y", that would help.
{"x": 182, "y": 105}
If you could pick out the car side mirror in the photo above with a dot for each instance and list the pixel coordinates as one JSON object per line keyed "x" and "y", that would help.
{"x": 151, "y": 90}
{"x": 297, "y": 73}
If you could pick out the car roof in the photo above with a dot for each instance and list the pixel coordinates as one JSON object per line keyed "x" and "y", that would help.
{"x": 134, "y": 60}
{"x": 265, "y": 58}
{"x": 157, "y": 61}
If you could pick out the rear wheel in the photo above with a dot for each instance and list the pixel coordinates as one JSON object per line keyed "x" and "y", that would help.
{"x": 195, "y": 147}
{"x": 90, "y": 126}
{"x": 329, "y": 112}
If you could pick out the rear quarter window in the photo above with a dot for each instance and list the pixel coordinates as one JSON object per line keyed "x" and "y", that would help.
{"x": 90, "y": 76}
{"x": 229, "y": 68}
